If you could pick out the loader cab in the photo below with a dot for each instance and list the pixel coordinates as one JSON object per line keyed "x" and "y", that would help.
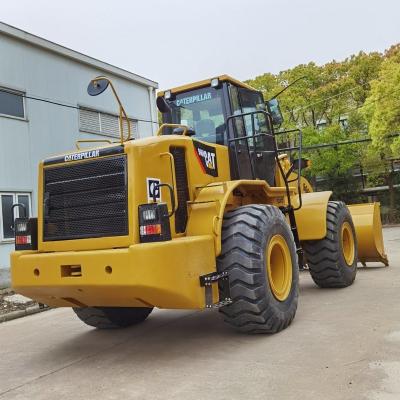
{"x": 223, "y": 111}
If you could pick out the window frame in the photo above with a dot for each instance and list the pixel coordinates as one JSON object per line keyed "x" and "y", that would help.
{"x": 169, "y": 117}
{"x": 20, "y": 93}
{"x": 134, "y": 133}
{"x": 16, "y": 211}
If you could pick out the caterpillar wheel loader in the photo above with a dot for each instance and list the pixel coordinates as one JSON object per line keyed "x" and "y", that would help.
{"x": 209, "y": 213}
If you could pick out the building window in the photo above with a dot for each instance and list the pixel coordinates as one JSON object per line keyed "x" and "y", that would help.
{"x": 100, "y": 123}
{"x": 321, "y": 124}
{"x": 7, "y": 215}
{"x": 12, "y": 103}
{"x": 344, "y": 122}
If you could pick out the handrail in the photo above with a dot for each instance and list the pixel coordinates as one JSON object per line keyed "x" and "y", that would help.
{"x": 161, "y": 128}
{"x": 19, "y": 205}
{"x": 92, "y": 141}
{"x": 122, "y": 112}
{"x": 272, "y": 134}
{"x": 299, "y": 148}
{"x": 171, "y": 195}
{"x": 172, "y": 167}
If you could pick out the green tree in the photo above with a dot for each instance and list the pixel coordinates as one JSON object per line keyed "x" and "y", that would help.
{"x": 334, "y": 166}
{"x": 327, "y": 93}
{"x": 382, "y": 113}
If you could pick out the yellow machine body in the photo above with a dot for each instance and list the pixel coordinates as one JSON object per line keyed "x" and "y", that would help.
{"x": 122, "y": 271}
{"x": 367, "y": 222}
{"x": 119, "y": 270}
{"x": 139, "y": 275}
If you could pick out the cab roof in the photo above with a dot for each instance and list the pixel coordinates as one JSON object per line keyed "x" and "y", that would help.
{"x": 205, "y": 83}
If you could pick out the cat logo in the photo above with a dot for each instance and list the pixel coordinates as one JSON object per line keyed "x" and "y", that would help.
{"x": 207, "y": 157}
{"x": 193, "y": 99}
{"x": 81, "y": 156}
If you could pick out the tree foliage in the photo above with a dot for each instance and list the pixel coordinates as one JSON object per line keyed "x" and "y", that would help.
{"x": 326, "y": 92}
{"x": 382, "y": 106}
{"x": 339, "y": 101}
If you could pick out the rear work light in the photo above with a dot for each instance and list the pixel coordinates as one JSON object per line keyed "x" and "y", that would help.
{"x": 26, "y": 234}
{"x": 154, "y": 223}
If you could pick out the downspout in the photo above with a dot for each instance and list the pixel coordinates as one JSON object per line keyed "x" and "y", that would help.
{"x": 152, "y": 109}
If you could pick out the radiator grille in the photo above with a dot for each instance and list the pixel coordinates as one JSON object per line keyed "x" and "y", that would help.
{"x": 86, "y": 200}
{"x": 181, "y": 215}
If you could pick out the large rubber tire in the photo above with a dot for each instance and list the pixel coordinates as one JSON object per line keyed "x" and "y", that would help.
{"x": 247, "y": 236}
{"x": 112, "y": 317}
{"x": 326, "y": 258}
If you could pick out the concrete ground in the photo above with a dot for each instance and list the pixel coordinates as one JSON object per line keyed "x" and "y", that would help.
{"x": 4, "y": 277}
{"x": 343, "y": 344}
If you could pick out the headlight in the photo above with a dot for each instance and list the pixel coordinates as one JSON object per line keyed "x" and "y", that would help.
{"x": 214, "y": 82}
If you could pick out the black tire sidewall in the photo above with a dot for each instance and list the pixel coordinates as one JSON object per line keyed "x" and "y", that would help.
{"x": 347, "y": 271}
{"x": 278, "y": 226}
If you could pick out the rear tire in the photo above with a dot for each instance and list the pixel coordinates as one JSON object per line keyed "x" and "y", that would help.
{"x": 112, "y": 317}
{"x": 333, "y": 260}
{"x": 259, "y": 253}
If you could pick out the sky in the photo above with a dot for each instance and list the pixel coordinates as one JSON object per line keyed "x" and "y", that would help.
{"x": 174, "y": 42}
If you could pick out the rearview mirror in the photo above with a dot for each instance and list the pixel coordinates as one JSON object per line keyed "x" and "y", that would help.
{"x": 162, "y": 105}
{"x": 97, "y": 86}
{"x": 179, "y": 131}
{"x": 275, "y": 111}
{"x": 302, "y": 163}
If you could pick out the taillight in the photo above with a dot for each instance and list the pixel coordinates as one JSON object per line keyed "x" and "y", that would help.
{"x": 154, "y": 229}
{"x": 154, "y": 223}
{"x": 26, "y": 234}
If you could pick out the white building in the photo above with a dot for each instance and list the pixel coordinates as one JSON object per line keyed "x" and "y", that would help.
{"x": 45, "y": 109}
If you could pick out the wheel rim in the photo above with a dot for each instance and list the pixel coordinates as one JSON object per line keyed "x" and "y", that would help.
{"x": 279, "y": 267}
{"x": 348, "y": 244}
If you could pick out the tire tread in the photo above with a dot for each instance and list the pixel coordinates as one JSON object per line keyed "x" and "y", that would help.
{"x": 112, "y": 317}
{"x": 241, "y": 248}
{"x": 324, "y": 256}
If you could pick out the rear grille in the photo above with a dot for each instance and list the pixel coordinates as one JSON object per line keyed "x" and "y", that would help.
{"x": 86, "y": 200}
{"x": 181, "y": 215}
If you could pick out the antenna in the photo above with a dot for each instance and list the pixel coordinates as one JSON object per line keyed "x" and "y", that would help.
{"x": 287, "y": 87}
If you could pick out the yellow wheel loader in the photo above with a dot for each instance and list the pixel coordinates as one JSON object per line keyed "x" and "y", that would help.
{"x": 209, "y": 213}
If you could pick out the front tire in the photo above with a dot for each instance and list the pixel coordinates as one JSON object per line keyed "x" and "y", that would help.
{"x": 259, "y": 253}
{"x": 333, "y": 260}
{"x": 112, "y": 317}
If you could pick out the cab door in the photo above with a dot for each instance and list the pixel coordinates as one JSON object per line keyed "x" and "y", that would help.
{"x": 252, "y": 155}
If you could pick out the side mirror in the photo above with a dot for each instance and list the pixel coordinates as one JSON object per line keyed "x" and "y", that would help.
{"x": 275, "y": 111}
{"x": 302, "y": 163}
{"x": 97, "y": 86}
{"x": 179, "y": 131}
{"x": 162, "y": 105}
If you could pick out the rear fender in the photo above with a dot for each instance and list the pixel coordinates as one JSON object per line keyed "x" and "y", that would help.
{"x": 311, "y": 218}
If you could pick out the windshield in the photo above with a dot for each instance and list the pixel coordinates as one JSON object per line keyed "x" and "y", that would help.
{"x": 202, "y": 110}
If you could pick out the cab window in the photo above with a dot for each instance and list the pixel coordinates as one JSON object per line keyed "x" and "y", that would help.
{"x": 253, "y": 101}
{"x": 246, "y": 101}
{"x": 203, "y": 111}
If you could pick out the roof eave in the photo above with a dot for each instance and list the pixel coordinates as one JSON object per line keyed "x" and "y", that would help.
{"x": 37, "y": 41}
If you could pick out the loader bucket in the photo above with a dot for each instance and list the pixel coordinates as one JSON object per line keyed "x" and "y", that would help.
{"x": 368, "y": 225}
